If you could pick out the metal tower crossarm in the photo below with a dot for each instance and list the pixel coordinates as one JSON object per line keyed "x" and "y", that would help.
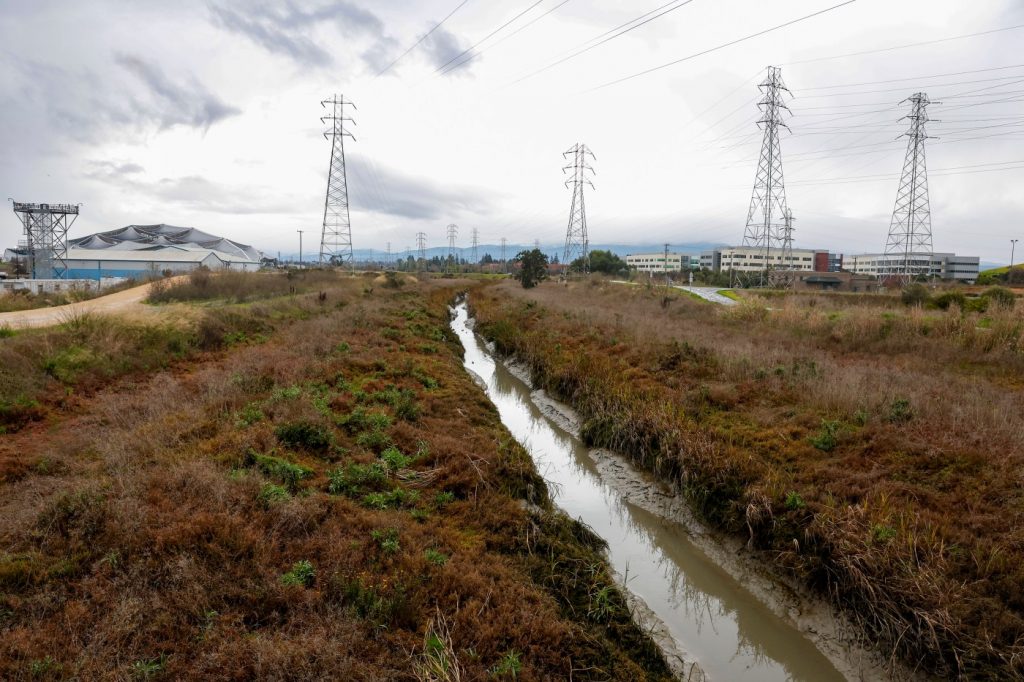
{"x": 46, "y": 234}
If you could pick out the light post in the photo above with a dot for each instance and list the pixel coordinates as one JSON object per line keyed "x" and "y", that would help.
{"x": 300, "y": 246}
{"x": 1009, "y": 272}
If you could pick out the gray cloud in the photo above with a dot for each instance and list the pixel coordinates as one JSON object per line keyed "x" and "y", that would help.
{"x": 389, "y": 192}
{"x": 174, "y": 104}
{"x": 286, "y": 29}
{"x": 442, "y": 46}
{"x": 190, "y": 191}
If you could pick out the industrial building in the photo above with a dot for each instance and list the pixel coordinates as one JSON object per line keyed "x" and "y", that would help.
{"x": 948, "y": 266}
{"x": 139, "y": 251}
{"x": 655, "y": 262}
{"x": 754, "y": 259}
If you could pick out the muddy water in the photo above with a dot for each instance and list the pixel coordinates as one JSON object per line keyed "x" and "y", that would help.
{"x": 711, "y": 617}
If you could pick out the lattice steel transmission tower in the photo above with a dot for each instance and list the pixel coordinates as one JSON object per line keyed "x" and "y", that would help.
{"x": 577, "y": 244}
{"x": 474, "y": 257}
{"x": 504, "y": 243}
{"x": 336, "y": 238}
{"x": 452, "y": 262}
{"x": 765, "y": 229}
{"x": 910, "y": 232}
{"x": 46, "y": 237}
{"x": 421, "y": 247}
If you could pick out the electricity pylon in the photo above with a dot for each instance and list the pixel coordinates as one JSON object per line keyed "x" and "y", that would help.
{"x": 576, "y": 242}
{"x": 336, "y": 238}
{"x": 476, "y": 241}
{"x": 421, "y": 246}
{"x": 765, "y": 219}
{"x": 910, "y": 232}
{"x": 451, "y": 264}
{"x": 504, "y": 243}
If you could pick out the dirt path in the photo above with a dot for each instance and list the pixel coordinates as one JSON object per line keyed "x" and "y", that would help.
{"x": 127, "y": 301}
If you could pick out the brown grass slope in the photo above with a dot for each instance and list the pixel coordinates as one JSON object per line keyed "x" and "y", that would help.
{"x": 331, "y": 499}
{"x": 875, "y": 450}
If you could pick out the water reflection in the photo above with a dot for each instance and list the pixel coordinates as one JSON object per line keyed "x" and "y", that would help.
{"x": 712, "y": 616}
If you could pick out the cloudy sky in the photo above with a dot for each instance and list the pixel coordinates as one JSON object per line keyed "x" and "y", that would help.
{"x": 206, "y": 114}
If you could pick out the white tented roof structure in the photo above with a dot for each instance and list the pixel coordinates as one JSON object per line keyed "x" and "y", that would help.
{"x": 165, "y": 242}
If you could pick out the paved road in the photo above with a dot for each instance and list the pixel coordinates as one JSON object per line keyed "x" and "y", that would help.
{"x": 127, "y": 301}
{"x": 710, "y": 294}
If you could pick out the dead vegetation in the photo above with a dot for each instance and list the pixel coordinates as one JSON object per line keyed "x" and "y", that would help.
{"x": 875, "y": 450}
{"x": 336, "y": 501}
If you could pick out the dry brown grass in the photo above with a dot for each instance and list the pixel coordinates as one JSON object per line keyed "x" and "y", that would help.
{"x": 148, "y": 535}
{"x": 875, "y": 450}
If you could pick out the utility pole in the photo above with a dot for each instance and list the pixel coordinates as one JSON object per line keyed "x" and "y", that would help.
{"x": 576, "y": 241}
{"x": 768, "y": 200}
{"x": 452, "y": 262}
{"x": 336, "y": 238}
{"x": 910, "y": 232}
{"x": 1009, "y": 273}
{"x": 665, "y": 264}
{"x": 421, "y": 246}
{"x": 300, "y": 246}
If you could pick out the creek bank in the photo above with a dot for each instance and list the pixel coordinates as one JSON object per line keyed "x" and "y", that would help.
{"x": 703, "y": 603}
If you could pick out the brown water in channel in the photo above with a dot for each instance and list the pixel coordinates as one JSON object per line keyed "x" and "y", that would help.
{"x": 712, "y": 617}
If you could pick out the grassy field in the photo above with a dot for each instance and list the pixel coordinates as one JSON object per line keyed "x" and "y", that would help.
{"x": 873, "y": 448}
{"x": 313, "y": 489}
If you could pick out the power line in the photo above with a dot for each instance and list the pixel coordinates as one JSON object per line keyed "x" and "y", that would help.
{"x": 913, "y": 78}
{"x": 903, "y": 47}
{"x": 444, "y": 67}
{"x": 722, "y": 46}
{"x": 470, "y": 57}
{"x": 678, "y": 5}
{"x": 422, "y": 38}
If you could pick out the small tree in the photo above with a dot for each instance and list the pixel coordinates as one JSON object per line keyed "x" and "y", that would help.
{"x": 602, "y": 261}
{"x": 533, "y": 268}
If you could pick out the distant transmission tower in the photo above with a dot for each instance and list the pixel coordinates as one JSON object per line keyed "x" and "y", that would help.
{"x": 475, "y": 258}
{"x": 451, "y": 264}
{"x": 504, "y": 242}
{"x": 910, "y": 232}
{"x": 387, "y": 256}
{"x": 576, "y": 242}
{"x": 768, "y": 200}
{"x": 46, "y": 237}
{"x": 421, "y": 246}
{"x": 336, "y": 239}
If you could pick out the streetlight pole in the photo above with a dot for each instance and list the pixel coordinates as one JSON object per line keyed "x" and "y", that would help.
{"x": 1009, "y": 272}
{"x": 300, "y": 246}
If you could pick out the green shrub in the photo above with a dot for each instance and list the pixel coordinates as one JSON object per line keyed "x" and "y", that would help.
{"x": 302, "y": 574}
{"x": 915, "y": 294}
{"x": 390, "y": 500}
{"x": 508, "y": 666}
{"x": 354, "y": 479}
{"x": 394, "y": 459}
{"x": 828, "y": 437}
{"x": 435, "y": 557}
{"x": 1001, "y": 297}
{"x": 304, "y": 435}
{"x": 387, "y": 540}
{"x": 794, "y": 501}
{"x": 287, "y": 472}
{"x": 271, "y": 494}
{"x": 946, "y": 299}
{"x": 900, "y": 411}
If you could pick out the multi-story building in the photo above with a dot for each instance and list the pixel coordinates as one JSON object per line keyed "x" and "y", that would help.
{"x": 655, "y": 262}
{"x": 753, "y": 259}
{"x": 941, "y": 265}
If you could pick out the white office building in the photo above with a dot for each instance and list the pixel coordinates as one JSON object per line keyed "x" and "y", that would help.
{"x": 947, "y": 266}
{"x": 754, "y": 259}
{"x": 655, "y": 262}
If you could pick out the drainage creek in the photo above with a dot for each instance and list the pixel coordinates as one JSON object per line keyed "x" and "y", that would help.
{"x": 716, "y": 616}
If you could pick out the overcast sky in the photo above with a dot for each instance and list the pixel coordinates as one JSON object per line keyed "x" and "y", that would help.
{"x": 206, "y": 114}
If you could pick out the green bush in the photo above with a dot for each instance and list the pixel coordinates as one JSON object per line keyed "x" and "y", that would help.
{"x": 946, "y": 299}
{"x": 287, "y": 472}
{"x": 304, "y": 435}
{"x": 302, "y": 574}
{"x": 916, "y": 294}
{"x": 828, "y": 437}
{"x": 900, "y": 411}
{"x": 1001, "y": 297}
{"x": 354, "y": 479}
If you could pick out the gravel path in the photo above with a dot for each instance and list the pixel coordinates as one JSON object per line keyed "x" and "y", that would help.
{"x": 127, "y": 301}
